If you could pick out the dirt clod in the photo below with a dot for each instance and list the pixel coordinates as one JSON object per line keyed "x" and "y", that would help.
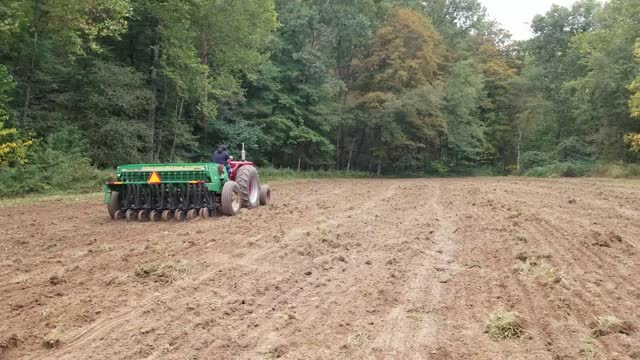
{"x": 278, "y": 351}
{"x": 56, "y": 279}
{"x": 607, "y": 241}
{"x": 9, "y": 342}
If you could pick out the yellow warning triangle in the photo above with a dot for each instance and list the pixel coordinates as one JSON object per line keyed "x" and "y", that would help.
{"x": 154, "y": 178}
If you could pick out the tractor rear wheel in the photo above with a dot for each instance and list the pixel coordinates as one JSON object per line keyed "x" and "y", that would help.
{"x": 249, "y": 183}
{"x": 265, "y": 195}
{"x": 230, "y": 198}
{"x": 114, "y": 204}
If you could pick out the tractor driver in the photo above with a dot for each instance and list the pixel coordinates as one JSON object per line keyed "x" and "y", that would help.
{"x": 221, "y": 156}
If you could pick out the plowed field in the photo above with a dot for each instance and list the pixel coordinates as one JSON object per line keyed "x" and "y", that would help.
{"x": 333, "y": 269}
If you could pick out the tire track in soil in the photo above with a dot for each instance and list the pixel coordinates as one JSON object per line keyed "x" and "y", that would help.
{"x": 413, "y": 323}
{"x": 266, "y": 336}
{"x": 592, "y": 251}
{"x": 325, "y": 300}
{"x": 583, "y": 301}
{"x": 495, "y": 291}
{"x": 570, "y": 251}
{"x": 601, "y": 299}
{"x": 544, "y": 237}
{"x": 573, "y": 248}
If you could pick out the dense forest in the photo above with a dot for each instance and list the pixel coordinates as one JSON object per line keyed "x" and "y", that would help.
{"x": 382, "y": 86}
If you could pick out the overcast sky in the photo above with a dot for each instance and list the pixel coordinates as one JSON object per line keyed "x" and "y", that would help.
{"x": 515, "y": 15}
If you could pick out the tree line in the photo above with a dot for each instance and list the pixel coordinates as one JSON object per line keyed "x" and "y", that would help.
{"x": 386, "y": 86}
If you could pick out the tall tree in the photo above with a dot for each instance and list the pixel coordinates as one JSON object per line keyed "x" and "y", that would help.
{"x": 405, "y": 62}
{"x": 633, "y": 139}
{"x": 600, "y": 97}
{"x": 464, "y": 95}
{"x": 551, "y": 50}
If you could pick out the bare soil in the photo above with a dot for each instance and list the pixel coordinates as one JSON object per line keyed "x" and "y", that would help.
{"x": 333, "y": 269}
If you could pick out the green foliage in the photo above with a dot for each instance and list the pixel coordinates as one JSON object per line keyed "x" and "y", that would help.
{"x": 80, "y": 23}
{"x": 616, "y": 170}
{"x": 52, "y": 167}
{"x": 13, "y": 146}
{"x": 533, "y": 159}
{"x": 389, "y": 86}
{"x": 600, "y": 95}
{"x": 633, "y": 139}
{"x": 273, "y": 174}
{"x": 573, "y": 149}
{"x": 455, "y": 19}
{"x": 113, "y": 107}
{"x": 292, "y": 99}
{"x": 483, "y": 171}
{"x": 561, "y": 169}
{"x": 464, "y": 94}
{"x": 439, "y": 167}
{"x": 7, "y": 85}
{"x": 634, "y": 88}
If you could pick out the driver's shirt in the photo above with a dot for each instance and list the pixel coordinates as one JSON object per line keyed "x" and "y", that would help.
{"x": 221, "y": 157}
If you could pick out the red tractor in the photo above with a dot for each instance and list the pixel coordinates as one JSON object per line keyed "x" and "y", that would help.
{"x": 245, "y": 174}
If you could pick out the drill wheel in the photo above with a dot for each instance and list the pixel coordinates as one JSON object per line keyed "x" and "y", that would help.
{"x": 167, "y": 215}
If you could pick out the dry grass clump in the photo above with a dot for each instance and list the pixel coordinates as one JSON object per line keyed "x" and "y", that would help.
{"x": 520, "y": 238}
{"x": 610, "y": 324}
{"x": 538, "y": 268}
{"x": 588, "y": 349}
{"x": 53, "y": 339}
{"x": 166, "y": 273}
{"x": 357, "y": 339}
{"x": 504, "y": 325}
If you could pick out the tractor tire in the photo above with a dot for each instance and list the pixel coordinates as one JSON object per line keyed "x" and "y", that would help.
{"x": 249, "y": 183}
{"x": 265, "y": 195}
{"x": 114, "y": 204}
{"x": 230, "y": 198}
